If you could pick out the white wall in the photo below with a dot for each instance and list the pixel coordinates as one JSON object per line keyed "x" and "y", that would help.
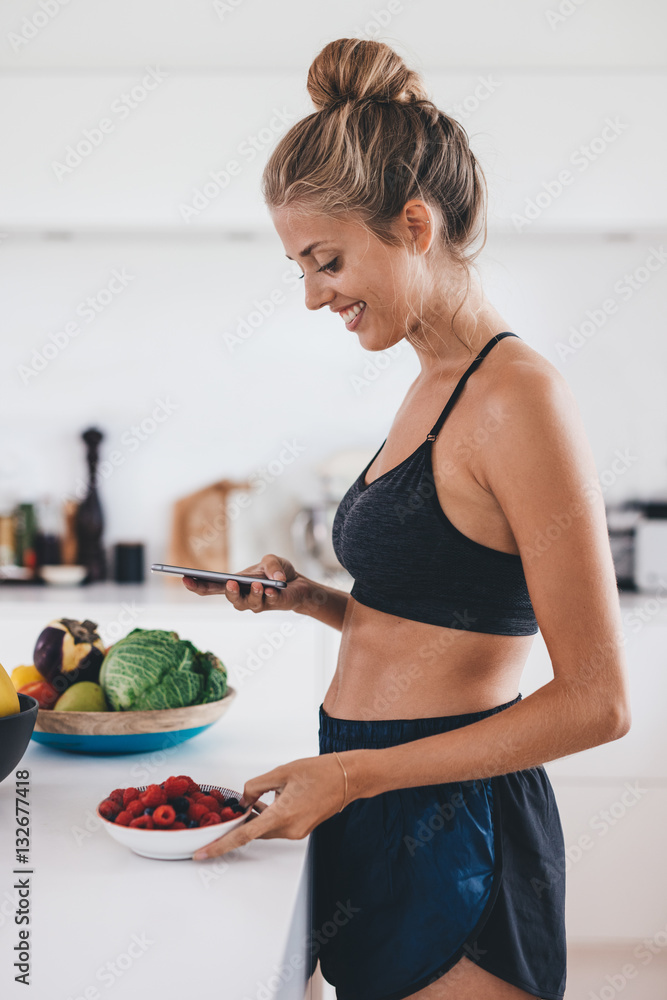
{"x": 299, "y": 377}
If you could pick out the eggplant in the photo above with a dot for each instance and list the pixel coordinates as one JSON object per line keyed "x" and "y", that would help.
{"x": 68, "y": 651}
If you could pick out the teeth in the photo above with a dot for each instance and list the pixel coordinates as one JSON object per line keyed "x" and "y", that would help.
{"x": 349, "y": 314}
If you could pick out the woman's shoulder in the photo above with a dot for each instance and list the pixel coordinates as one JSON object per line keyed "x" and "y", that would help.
{"x": 520, "y": 377}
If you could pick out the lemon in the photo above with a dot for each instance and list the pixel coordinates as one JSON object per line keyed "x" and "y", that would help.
{"x": 9, "y": 700}
{"x": 25, "y": 675}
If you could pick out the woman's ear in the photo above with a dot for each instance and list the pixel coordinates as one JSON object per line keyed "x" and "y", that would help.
{"x": 416, "y": 220}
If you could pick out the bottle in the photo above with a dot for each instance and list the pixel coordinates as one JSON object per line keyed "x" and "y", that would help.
{"x": 26, "y": 529}
{"x": 7, "y": 549}
{"x": 89, "y": 521}
{"x": 49, "y": 533}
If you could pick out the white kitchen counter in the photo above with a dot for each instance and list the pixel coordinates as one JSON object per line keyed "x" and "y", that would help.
{"x": 84, "y": 915}
{"x": 103, "y": 917}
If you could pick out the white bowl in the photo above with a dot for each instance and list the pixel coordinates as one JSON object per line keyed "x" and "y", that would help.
{"x": 63, "y": 575}
{"x": 174, "y": 845}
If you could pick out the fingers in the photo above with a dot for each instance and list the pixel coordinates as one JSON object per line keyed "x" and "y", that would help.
{"x": 270, "y": 781}
{"x": 257, "y": 599}
{"x": 202, "y": 587}
{"x": 241, "y": 835}
{"x": 273, "y": 567}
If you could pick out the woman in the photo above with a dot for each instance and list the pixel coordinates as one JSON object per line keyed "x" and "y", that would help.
{"x": 437, "y": 850}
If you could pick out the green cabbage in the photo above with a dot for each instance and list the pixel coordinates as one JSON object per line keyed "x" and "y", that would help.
{"x": 153, "y": 668}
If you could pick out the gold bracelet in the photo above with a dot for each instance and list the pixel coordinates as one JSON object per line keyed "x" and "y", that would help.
{"x": 345, "y": 773}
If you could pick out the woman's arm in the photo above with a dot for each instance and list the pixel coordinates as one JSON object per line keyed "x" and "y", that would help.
{"x": 326, "y": 604}
{"x": 540, "y": 468}
{"x": 304, "y": 596}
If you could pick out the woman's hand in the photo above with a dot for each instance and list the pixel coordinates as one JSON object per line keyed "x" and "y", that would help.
{"x": 261, "y": 598}
{"x": 308, "y": 791}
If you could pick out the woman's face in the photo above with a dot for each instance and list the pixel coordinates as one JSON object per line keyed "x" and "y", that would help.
{"x": 349, "y": 270}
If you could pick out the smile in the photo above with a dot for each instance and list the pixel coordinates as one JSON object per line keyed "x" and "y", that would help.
{"x": 351, "y": 315}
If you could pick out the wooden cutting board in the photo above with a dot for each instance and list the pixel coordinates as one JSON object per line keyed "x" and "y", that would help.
{"x": 200, "y": 528}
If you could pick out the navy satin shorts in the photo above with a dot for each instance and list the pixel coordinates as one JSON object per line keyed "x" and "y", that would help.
{"x": 403, "y": 884}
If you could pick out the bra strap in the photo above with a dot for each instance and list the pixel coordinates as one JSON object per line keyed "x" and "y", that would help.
{"x": 431, "y": 436}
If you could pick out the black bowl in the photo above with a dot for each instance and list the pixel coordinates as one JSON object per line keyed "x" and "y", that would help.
{"x": 15, "y": 733}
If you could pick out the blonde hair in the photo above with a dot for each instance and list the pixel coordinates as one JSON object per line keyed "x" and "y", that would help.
{"x": 375, "y": 142}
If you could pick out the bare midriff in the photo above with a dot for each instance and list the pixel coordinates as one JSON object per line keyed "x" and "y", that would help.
{"x": 394, "y": 668}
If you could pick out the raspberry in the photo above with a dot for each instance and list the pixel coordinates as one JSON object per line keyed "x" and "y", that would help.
{"x": 129, "y": 795}
{"x": 135, "y": 808}
{"x": 211, "y": 804}
{"x": 143, "y": 823}
{"x": 164, "y": 816}
{"x": 192, "y": 785}
{"x": 176, "y": 786}
{"x": 196, "y": 796}
{"x": 196, "y": 811}
{"x": 210, "y": 819}
{"x": 227, "y": 813}
{"x": 123, "y": 818}
{"x": 117, "y": 795}
{"x": 109, "y": 809}
{"x": 217, "y": 794}
{"x": 154, "y": 796}
{"x": 177, "y": 825}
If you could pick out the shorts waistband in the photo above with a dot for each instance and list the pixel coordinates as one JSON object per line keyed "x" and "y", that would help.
{"x": 376, "y": 732}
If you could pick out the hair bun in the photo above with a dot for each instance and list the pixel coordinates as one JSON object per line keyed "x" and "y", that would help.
{"x": 355, "y": 69}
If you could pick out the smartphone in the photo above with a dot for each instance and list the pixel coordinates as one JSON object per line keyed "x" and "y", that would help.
{"x": 208, "y": 574}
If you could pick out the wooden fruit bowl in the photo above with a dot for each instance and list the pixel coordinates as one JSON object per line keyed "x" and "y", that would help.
{"x": 127, "y": 732}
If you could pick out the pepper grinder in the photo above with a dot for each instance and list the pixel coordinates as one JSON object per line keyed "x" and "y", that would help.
{"x": 89, "y": 521}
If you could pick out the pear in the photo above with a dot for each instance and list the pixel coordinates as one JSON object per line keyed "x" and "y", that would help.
{"x": 9, "y": 700}
{"x": 84, "y": 696}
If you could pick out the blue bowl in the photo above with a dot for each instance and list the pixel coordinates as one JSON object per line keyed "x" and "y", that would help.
{"x": 105, "y": 733}
{"x": 109, "y": 744}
